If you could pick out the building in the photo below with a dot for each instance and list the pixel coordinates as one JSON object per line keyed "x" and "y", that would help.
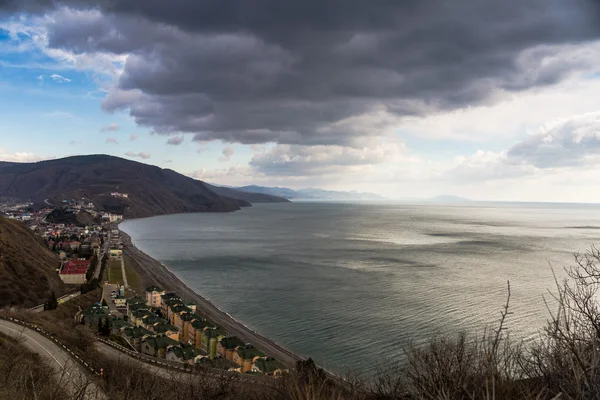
{"x": 176, "y": 314}
{"x": 184, "y": 354}
{"x": 245, "y": 356}
{"x": 112, "y": 217}
{"x": 74, "y": 272}
{"x": 209, "y": 341}
{"x": 120, "y": 301}
{"x": 91, "y": 315}
{"x": 135, "y": 336}
{"x": 228, "y": 345}
{"x": 136, "y": 317}
{"x": 153, "y": 296}
{"x": 268, "y": 366}
{"x": 135, "y": 303}
{"x": 165, "y": 301}
{"x": 117, "y": 326}
{"x": 151, "y": 321}
{"x": 167, "y": 330}
{"x": 157, "y": 346}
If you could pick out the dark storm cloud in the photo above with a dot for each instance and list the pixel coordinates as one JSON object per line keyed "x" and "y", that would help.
{"x": 266, "y": 70}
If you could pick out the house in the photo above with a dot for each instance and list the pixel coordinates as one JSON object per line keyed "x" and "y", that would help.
{"x": 186, "y": 320}
{"x": 74, "y": 245}
{"x": 136, "y": 317}
{"x": 173, "y": 306}
{"x": 228, "y": 345}
{"x": 91, "y": 315}
{"x": 184, "y": 354}
{"x": 165, "y": 302}
{"x": 209, "y": 341}
{"x": 134, "y": 304}
{"x": 135, "y": 336}
{"x": 74, "y": 272}
{"x": 120, "y": 301}
{"x": 151, "y": 321}
{"x": 136, "y": 300}
{"x": 193, "y": 331}
{"x": 268, "y": 366}
{"x": 176, "y": 313}
{"x": 153, "y": 296}
{"x": 85, "y": 250}
{"x": 167, "y": 330}
{"x": 245, "y": 356}
{"x": 157, "y": 346}
{"x": 117, "y": 325}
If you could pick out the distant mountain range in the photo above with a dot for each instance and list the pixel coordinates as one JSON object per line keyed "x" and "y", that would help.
{"x": 151, "y": 190}
{"x": 310, "y": 194}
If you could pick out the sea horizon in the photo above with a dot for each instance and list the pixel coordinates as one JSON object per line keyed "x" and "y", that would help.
{"x": 271, "y": 276}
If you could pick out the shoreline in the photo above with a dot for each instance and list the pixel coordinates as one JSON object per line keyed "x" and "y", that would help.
{"x": 160, "y": 275}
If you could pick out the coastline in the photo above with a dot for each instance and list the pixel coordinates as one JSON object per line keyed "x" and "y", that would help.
{"x": 159, "y": 274}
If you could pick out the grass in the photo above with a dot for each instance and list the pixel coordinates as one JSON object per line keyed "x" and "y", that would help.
{"x": 115, "y": 274}
{"x": 133, "y": 279}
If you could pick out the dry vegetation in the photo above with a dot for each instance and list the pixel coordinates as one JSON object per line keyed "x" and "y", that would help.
{"x": 563, "y": 364}
{"x": 27, "y": 267}
{"x": 23, "y": 376}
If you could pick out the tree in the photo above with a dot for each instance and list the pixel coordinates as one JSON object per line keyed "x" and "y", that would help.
{"x": 51, "y": 303}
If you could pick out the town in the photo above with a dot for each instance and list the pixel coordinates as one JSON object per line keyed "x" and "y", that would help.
{"x": 152, "y": 321}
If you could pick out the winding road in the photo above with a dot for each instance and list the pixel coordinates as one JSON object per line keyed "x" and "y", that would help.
{"x": 68, "y": 371}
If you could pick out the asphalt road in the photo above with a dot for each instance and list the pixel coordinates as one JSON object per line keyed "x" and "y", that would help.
{"x": 72, "y": 373}
{"x": 61, "y": 300}
{"x": 106, "y": 290}
{"x": 103, "y": 252}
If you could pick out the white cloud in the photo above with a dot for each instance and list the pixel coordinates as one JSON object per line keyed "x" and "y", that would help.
{"x": 295, "y": 160}
{"x": 110, "y": 128}
{"x": 111, "y": 140}
{"x": 175, "y": 140}
{"x": 234, "y": 175}
{"x": 142, "y": 154}
{"x": 568, "y": 142}
{"x": 133, "y": 137}
{"x": 22, "y": 157}
{"x": 227, "y": 153}
{"x": 60, "y": 79}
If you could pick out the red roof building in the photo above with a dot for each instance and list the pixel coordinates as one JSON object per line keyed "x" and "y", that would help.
{"x": 73, "y": 272}
{"x": 75, "y": 267}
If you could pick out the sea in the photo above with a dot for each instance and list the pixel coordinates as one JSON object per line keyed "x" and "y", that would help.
{"x": 355, "y": 285}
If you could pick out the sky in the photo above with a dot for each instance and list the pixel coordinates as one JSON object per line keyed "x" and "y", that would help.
{"x": 482, "y": 99}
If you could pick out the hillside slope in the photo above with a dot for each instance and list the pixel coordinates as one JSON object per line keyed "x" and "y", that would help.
{"x": 252, "y": 197}
{"x": 152, "y": 190}
{"x": 310, "y": 194}
{"x": 27, "y": 267}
